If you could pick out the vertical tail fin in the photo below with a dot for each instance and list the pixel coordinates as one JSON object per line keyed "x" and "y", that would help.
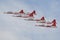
{"x": 34, "y": 12}
{"x": 42, "y": 18}
{"x": 21, "y": 11}
{"x": 54, "y": 23}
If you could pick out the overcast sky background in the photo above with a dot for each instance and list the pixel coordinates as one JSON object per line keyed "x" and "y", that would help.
{"x": 12, "y": 28}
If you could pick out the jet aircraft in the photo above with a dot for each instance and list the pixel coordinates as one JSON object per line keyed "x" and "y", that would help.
{"x": 48, "y": 24}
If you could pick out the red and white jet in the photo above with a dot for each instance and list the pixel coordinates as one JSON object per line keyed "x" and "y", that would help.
{"x": 29, "y": 15}
{"x": 20, "y": 12}
{"x": 49, "y": 24}
{"x": 41, "y": 20}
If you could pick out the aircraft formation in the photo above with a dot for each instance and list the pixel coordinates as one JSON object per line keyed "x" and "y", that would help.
{"x": 30, "y": 17}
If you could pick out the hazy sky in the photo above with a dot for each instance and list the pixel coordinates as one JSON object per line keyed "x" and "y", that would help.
{"x": 12, "y": 28}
